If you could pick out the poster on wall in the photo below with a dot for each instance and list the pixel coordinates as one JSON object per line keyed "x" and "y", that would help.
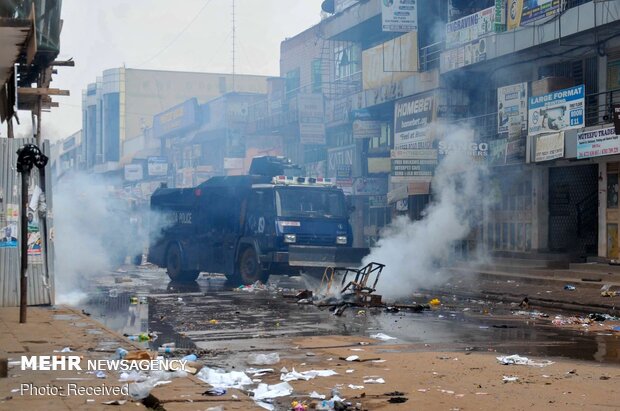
{"x": 522, "y": 12}
{"x": 555, "y": 111}
{"x": 9, "y": 229}
{"x": 596, "y": 143}
{"x": 399, "y": 15}
{"x": 549, "y": 146}
{"x": 412, "y": 120}
{"x": 512, "y": 108}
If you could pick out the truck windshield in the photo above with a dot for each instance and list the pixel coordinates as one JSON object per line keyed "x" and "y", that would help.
{"x": 310, "y": 202}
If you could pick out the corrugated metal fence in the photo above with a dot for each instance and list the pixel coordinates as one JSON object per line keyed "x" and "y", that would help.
{"x": 40, "y": 250}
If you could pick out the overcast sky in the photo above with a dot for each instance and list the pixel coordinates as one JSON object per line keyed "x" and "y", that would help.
{"x": 138, "y": 33}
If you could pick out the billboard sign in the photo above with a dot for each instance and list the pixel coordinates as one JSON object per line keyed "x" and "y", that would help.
{"x": 549, "y": 146}
{"x": 157, "y": 166}
{"x": 512, "y": 108}
{"x": 399, "y": 15}
{"x": 366, "y": 128}
{"x": 134, "y": 172}
{"x": 412, "y": 119}
{"x": 176, "y": 119}
{"x": 470, "y": 28}
{"x": 522, "y": 12}
{"x": 311, "y": 118}
{"x": 555, "y": 111}
{"x": 596, "y": 143}
{"x": 413, "y": 165}
{"x": 367, "y": 186}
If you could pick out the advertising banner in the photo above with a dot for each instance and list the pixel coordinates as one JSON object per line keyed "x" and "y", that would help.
{"x": 596, "y": 143}
{"x": 521, "y": 12}
{"x": 157, "y": 166}
{"x": 413, "y": 165}
{"x": 366, "y": 129}
{"x": 412, "y": 119}
{"x": 366, "y": 186}
{"x": 134, "y": 172}
{"x": 558, "y": 110}
{"x": 176, "y": 119}
{"x": 311, "y": 118}
{"x": 470, "y": 28}
{"x": 338, "y": 157}
{"x": 616, "y": 117}
{"x": 399, "y": 15}
{"x": 512, "y": 108}
{"x": 377, "y": 201}
{"x": 549, "y": 146}
{"x": 462, "y": 56}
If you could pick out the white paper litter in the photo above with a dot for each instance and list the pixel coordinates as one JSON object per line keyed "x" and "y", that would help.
{"x": 265, "y": 391}
{"x": 356, "y": 349}
{"x": 306, "y": 375}
{"x": 353, "y": 357}
{"x": 510, "y": 379}
{"x": 349, "y": 371}
{"x": 377, "y": 361}
{"x": 316, "y": 395}
{"x": 518, "y": 360}
{"x": 375, "y": 381}
{"x": 132, "y": 376}
{"x": 223, "y": 379}
{"x": 258, "y": 371}
{"x": 382, "y": 337}
{"x": 66, "y": 349}
{"x": 356, "y": 387}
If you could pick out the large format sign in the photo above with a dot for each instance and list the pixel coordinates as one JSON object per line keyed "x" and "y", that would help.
{"x": 311, "y": 118}
{"x": 555, "y": 111}
{"x": 399, "y": 15}
{"x": 596, "y": 143}
{"x": 412, "y": 120}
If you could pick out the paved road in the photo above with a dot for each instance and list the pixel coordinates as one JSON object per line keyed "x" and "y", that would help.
{"x": 210, "y": 315}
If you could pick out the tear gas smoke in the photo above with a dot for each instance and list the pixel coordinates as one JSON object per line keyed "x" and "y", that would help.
{"x": 95, "y": 231}
{"x": 414, "y": 252}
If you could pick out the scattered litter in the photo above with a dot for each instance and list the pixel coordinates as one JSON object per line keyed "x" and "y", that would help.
{"x": 100, "y": 374}
{"x": 395, "y": 394}
{"x": 66, "y": 349}
{"x": 518, "y": 360}
{"x": 378, "y": 361}
{"x": 264, "y": 391}
{"x": 259, "y": 372}
{"x": 283, "y": 370}
{"x": 434, "y": 302}
{"x": 191, "y": 357}
{"x": 397, "y": 400}
{"x": 358, "y": 359}
{"x": 382, "y": 337}
{"x": 374, "y": 381}
{"x": 349, "y": 371}
{"x": 310, "y": 354}
{"x": 482, "y": 393}
{"x": 306, "y": 375}
{"x": 223, "y": 379}
{"x": 140, "y": 355}
{"x": 316, "y": 395}
{"x": 509, "y": 379}
{"x": 356, "y": 349}
{"x": 132, "y": 376}
{"x": 353, "y": 358}
{"x": 570, "y": 287}
{"x": 356, "y": 387}
{"x": 115, "y": 402}
{"x": 263, "y": 359}
{"x": 215, "y": 392}
{"x": 422, "y": 390}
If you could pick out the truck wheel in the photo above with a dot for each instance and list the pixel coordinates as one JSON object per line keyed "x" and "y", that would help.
{"x": 250, "y": 270}
{"x": 174, "y": 262}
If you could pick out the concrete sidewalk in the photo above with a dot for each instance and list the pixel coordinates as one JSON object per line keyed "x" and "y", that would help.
{"x": 53, "y": 328}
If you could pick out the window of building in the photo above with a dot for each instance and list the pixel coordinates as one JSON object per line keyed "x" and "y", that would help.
{"x": 292, "y": 82}
{"x": 317, "y": 80}
{"x": 382, "y": 141}
{"x": 348, "y": 60}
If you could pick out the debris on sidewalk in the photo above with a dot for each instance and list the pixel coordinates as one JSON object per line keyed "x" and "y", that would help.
{"x": 222, "y": 379}
{"x": 516, "y": 359}
{"x": 506, "y": 379}
{"x": 306, "y": 375}
{"x": 264, "y": 391}
{"x": 570, "y": 287}
{"x": 382, "y": 337}
{"x": 376, "y": 380}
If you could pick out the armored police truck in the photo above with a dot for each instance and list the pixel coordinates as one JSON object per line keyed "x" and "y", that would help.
{"x": 248, "y": 227}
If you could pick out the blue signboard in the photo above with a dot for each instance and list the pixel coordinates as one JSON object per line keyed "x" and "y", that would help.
{"x": 177, "y": 119}
{"x": 556, "y": 111}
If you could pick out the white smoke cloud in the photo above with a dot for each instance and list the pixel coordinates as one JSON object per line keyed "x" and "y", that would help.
{"x": 94, "y": 232}
{"x": 414, "y": 252}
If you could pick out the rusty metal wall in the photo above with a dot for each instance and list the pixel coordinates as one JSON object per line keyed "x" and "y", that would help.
{"x": 40, "y": 270}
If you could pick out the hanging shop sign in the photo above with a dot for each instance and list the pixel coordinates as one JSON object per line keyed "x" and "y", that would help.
{"x": 616, "y": 117}
{"x": 366, "y": 129}
{"x": 134, "y": 172}
{"x": 413, "y": 165}
{"x": 596, "y": 143}
{"x": 399, "y": 15}
{"x": 549, "y": 146}
{"x": 157, "y": 166}
{"x": 412, "y": 120}
{"x": 558, "y": 110}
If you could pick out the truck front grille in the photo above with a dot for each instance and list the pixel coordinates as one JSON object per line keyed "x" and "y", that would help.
{"x": 316, "y": 239}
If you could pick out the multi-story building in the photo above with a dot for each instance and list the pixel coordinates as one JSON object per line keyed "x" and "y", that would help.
{"x": 486, "y": 65}
{"x": 121, "y": 104}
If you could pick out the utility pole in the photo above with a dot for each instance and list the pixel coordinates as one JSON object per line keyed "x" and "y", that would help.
{"x": 234, "y": 29}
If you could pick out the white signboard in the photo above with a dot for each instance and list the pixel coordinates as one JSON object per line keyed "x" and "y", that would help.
{"x": 558, "y": 110}
{"x": 549, "y": 146}
{"x": 596, "y": 143}
{"x": 366, "y": 128}
{"x": 470, "y": 28}
{"x": 232, "y": 163}
{"x": 134, "y": 172}
{"x": 399, "y": 15}
{"x": 311, "y": 118}
{"x": 512, "y": 109}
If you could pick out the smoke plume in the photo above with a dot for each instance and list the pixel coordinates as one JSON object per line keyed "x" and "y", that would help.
{"x": 97, "y": 229}
{"x": 414, "y": 252}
